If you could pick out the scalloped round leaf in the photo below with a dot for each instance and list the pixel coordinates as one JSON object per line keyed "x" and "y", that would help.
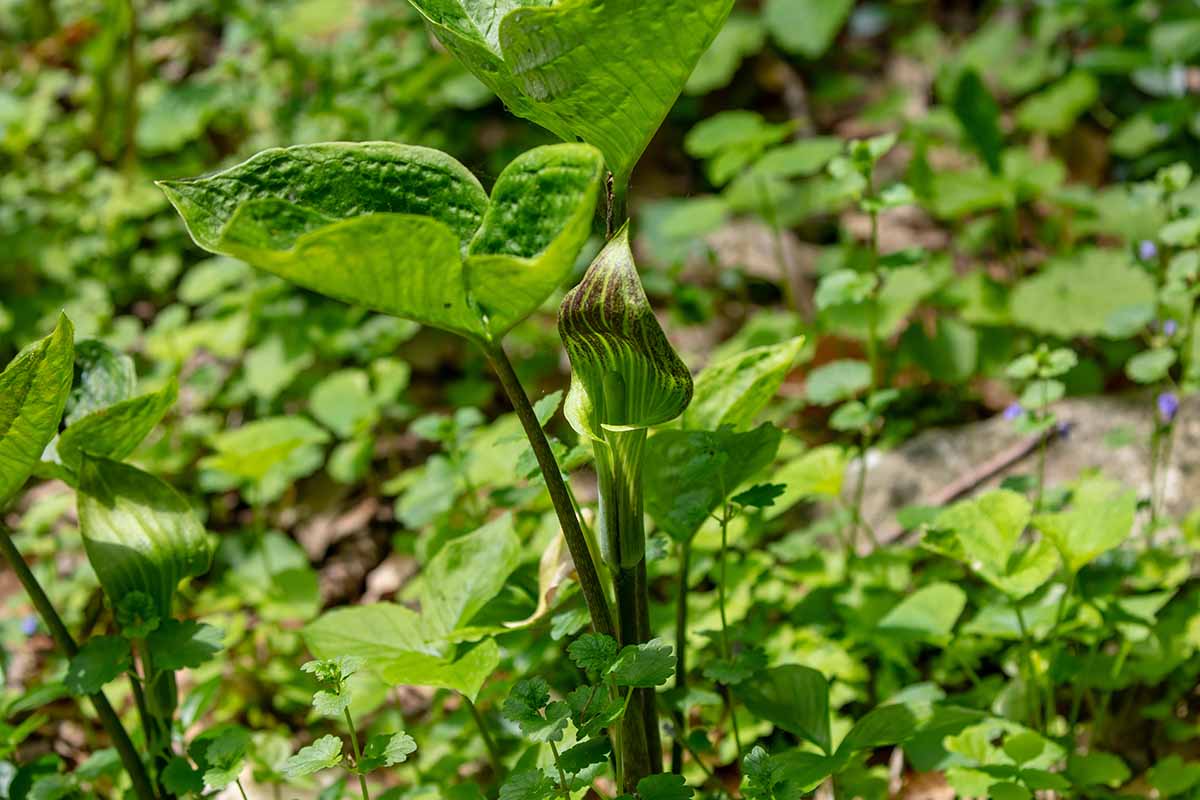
{"x": 605, "y": 72}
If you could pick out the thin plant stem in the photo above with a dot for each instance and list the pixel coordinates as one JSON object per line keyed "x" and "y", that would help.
{"x": 486, "y": 735}
{"x": 649, "y": 696}
{"x": 681, "y": 622}
{"x": 585, "y": 567}
{"x": 362, "y": 779}
{"x": 1035, "y": 712}
{"x": 130, "y": 759}
{"x": 725, "y": 516}
{"x": 241, "y": 789}
{"x": 132, "y": 81}
{"x": 562, "y": 776}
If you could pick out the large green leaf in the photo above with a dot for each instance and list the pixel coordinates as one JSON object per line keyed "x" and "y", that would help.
{"x": 103, "y": 376}
{"x": 1093, "y": 293}
{"x": 602, "y": 71}
{"x": 734, "y": 390}
{"x": 624, "y": 372}
{"x": 401, "y": 229}
{"x": 1101, "y": 517}
{"x": 33, "y": 391}
{"x": 140, "y": 534}
{"x": 794, "y": 698}
{"x": 689, "y": 474}
{"x": 393, "y": 642}
{"x": 115, "y": 431}
{"x": 409, "y": 648}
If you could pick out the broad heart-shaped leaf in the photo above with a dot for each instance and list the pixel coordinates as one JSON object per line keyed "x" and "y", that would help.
{"x": 988, "y": 528}
{"x": 407, "y": 648}
{"x": 33, "y": 391}
{"x": 794, "y": 698}
{"x": 404, "y": 230}
{"x": 140, "y": 534}
{"x": 687, "y": 475}
{"x": 1101, "y": 518}
{"x": 624, "y": 373}
{"x": 602, "y": 71}
{"x": 928, "y": 613}
{"x": 466, "y": 573}
{"x": 390, "y": 639}
{"x": 883, "y": 726}
{"x": 115, "y": 431}
{"x": 733, "y": 391}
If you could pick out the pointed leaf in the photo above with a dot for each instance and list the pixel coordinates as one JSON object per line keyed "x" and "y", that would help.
{"x": 988, "y": 527}
{"x": 140, "y": 534}
{"x": 466, "y": 573}
{"x": 604, "y": 73}
{"x": 733, "y": 391}
{"x": 103, "y": 376}
{"x": 115, "y": 431}
{"x": 33, "y": 392}
{"x": 880, "y": 727}
{"x": 794, "y": 698}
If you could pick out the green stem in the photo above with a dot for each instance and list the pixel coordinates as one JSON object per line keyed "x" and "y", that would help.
{"x": 649, "y": 696}
{"x": 562, "y": 776}
{"x": 362, "y": 779}
{"x": 1028, "y": 667}
{"x": 585, "y": 567}
{"x": 241, "y": 789}
{"x": 681, "y": 621}
{"x": 66, "y": 643}
{"x": 725, "y": 515}
{"x": 486, "y": 735}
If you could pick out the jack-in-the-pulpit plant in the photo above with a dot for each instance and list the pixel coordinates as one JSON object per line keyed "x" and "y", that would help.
{"x": 625, "y": 378}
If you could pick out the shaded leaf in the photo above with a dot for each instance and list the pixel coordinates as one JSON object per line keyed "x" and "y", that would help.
{"x": 100, "y": 660}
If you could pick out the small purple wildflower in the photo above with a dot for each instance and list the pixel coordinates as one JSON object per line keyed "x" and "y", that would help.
{"x": 1063, "y": 429}
{"x": 29, "y": 625}
{"x": 1170, "y": 328}
{"x": 1013, "y": 411}
{"x": 1147, "y": 250}
{"x": 1168, "y": 407}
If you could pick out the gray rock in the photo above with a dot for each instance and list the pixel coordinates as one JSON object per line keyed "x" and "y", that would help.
{"x": 1110, "y": 434}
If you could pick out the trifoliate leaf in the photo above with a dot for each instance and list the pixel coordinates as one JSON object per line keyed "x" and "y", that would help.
{"x": 594, "y": 652}
{"x": 324, "y": 753}
{"x": 100, "y": 660}
{"x": 386, "y": 750}
{"x": 644, "y": 665}
{"x": 186, "y": 644}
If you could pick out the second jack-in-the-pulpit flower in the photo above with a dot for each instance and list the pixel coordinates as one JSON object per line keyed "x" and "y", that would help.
{"x": 625, "y": 378}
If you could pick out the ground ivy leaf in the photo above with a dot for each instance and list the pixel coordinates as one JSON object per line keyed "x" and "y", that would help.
{"x": 664, "y": 787}
{"x": 225, "y": 756}
{"x": 644, "y": 665}
{"x": 139, "y": 533}
{"x": 594, "y": 652}
{"x": 324, "y": 753}
{"x": 181, "y": 778}
{"x": 555, "y": 64}
{"x": 330, "y": 704}
{"x": 386, "y": 750}
{"x": 100, "y": 660}
{"x": 525, "y": 705}
{"x": 530, "y": 784}
{"x": 33, "y": 391}
{"x": 177, "y": 644}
